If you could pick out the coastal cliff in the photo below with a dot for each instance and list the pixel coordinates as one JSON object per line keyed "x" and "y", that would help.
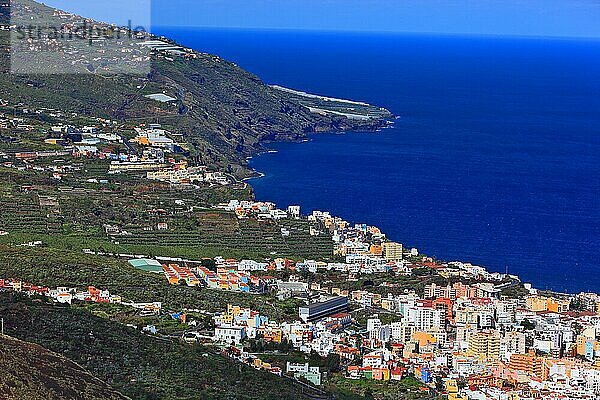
{"x": 222, "y": 112}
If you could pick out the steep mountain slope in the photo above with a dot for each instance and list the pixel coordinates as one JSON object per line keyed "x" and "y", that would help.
{"x": 223, "y": 111}
{"x": 30, "y": 372}
{"x": 139, "y": 366}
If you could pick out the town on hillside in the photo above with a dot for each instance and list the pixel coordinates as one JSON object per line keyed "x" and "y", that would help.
{"x": 124, "y": 220}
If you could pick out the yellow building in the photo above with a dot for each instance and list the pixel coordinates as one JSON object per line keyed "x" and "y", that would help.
{"x": 233, "y": 310}
{"x": 456, "y": 396}
{"x": 485, "y": 345}
{"x": 380, "y": 374}
{"x": 452, "y": 390}
{"x": 584, "y": 340}
{"x": 272, "y": 334}
{"x": 540, "y": 303}
{"x": 451, "y": 386}
{"x": 392, "y": 251}
{"x": 376, "y": 298}
{"x": 53, "y": 141}
{"x": 227, "y": 317}
{"x": 388, "y": 304}
{"x": 537, "y": 303}
{"x": 173, "y": 280}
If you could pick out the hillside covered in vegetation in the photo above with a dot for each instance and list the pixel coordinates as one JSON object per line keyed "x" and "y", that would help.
{"x": 30, "y": 372}
{"x": 66, "y": 220}
{"x": 222, "y": 111}
{"x": 139, "y": 366}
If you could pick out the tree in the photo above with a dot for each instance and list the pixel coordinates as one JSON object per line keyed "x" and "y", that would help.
{"x": 315, "y": 358}
{"x": 332, "y": 363}
{"x": 528, "y": 325}
{"x": 209, "y": 263}
{"x": 284, "y": 346}
{"x": 439, "y": 384}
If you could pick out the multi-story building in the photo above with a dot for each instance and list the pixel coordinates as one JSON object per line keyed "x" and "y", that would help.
{"x": 485, "y": 345}
{"x": 471, "y": 312}
{"x": 434, "y": 291}
{"x": 425, "y": 318}
{"x": 530, "y": 364}
{"x": 392, "y": 251}
{"x": 230, "y": 334}
{"x": 512, "y": 343}
{"x": 540, "y": 303}
{"x": 402, "y": 331}
{"x": 178, "y": 175}
{"x": 505, "y": 312}
{"x": 373, "y": 323}
{"x": 381, "y": 333}
{"x": 316, "y": 311}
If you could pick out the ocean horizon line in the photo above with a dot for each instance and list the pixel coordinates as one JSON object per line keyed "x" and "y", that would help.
{"x": 465, "y": 35}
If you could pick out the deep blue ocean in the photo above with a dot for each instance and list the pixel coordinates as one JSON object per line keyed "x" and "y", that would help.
{"x": 495, "y": 159}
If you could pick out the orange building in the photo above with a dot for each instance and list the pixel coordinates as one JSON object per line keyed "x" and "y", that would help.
{"x": 445, "y": 304}
{"x": 380, "y": 374}
{"x": 424, "y": 339}
{"x": 485, "y": 381}
{"x": 274, "y": 335}
{"x": 530, "y": 364}
{"x": 376, "y": 249}
{"x": 558, "y": 306}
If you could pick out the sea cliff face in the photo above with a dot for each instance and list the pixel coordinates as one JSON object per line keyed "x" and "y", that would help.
{"x": 222, "y": 112}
